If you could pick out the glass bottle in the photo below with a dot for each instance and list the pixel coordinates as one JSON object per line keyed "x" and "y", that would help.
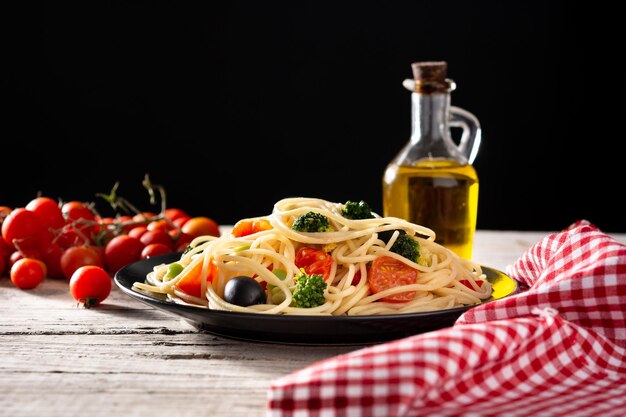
{"x": 431, "y": 181}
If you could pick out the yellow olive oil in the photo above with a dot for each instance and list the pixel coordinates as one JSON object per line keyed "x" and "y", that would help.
{"x": 439, "y": 194}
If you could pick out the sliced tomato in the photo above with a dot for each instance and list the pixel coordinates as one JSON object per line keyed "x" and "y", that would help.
{"x": 191, "y": 282}
{"x": 387, "y": 272}
{"x": 314, "y": 261}
{"x": 468, "y": 284}
{"x": 248, "y": 227}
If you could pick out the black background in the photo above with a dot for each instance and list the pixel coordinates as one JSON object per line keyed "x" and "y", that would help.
{"x": 233, "y": 106}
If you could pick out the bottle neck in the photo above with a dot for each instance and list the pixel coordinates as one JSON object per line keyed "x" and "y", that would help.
{"x": 429, "y": 120}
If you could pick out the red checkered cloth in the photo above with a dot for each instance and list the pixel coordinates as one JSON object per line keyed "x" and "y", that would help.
{"x": 557, "y": 349}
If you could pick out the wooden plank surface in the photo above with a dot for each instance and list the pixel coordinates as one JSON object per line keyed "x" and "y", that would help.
{"x": 127, "y": 359}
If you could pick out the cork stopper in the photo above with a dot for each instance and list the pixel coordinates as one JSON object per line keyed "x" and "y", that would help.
{"x": 430, "y": 77}
{"x": 432, "y": 71}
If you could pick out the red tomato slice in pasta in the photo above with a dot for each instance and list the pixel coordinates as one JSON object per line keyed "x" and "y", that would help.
{"x": 468, "y": 284}
{"x": 191, "y": 282}
{"x": 387, "y": 272}
{"x": 314, "y": 261}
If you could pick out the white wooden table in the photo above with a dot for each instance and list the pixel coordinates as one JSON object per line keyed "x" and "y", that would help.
{"x": 127, "y": 359}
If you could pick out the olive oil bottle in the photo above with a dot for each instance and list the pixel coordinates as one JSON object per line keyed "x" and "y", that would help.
{"x": 431, "y": 181}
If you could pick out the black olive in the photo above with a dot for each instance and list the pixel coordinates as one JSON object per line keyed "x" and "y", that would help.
{"x": 244, "y": 291}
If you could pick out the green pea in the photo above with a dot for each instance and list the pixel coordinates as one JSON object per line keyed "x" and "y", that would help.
{"x": 173, "y": 270}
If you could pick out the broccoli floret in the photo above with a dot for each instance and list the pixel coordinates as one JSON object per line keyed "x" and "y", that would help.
{"x": 406, "y": 246}
{"x": 356, "y": 210}
{"x": 309, "y": 290}
{"x": 311, "y": 222}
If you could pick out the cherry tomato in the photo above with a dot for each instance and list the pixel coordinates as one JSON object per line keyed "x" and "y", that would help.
{"x": 124, "y": 219}
{"x": 77, "y": 256}
{"x": 28, "y": 273}
{"x": 121, "y": 251}
{"x": 179, "y": 222}
{"x": 157, "y": 236}
{"x": 51, "y": 255}
{"x": 314, "y": 261}
{"x": 190, "y": 283}
{"x": 48, "y": 211}
{"x": 79, "y": 214}
{"x": 155, "y": 249}
{"x": 162, "y": 225}
{"x": 243, "y": 228}
{"x": 201, "y": 226}
{"x": 387, "y": 272}
{"x": 468, "y": 284}
{"x": 90, "y": 285}
{"x": 248, "y": 227}
{"x": 31, "y": 253}
{"x": 74, "y": 210}
{"x": 137, "y": 231}
{"x": 104, "y": 232}
{"x": 179, "y": 239}
{"x": 143, "y": 217}
{"x": 3, "y": 265}
{"x": 69, "y": 237}
{"x": 22, "y": 226}
{"x": 175, "y": 213}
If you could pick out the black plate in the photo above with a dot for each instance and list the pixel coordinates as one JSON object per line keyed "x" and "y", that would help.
{"x": 293, "y": 329}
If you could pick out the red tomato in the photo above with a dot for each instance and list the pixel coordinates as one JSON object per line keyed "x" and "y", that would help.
{"x": 182, "y": 247}
{"x": 90, "y": 285}
{"x": 137, "y": 231}
{"x": 3, "y": 264}
{"x": 69, "y": 237}
{"x": 121, "y": 251}
{"x": 175, "y": 213}
{"x": 143, "y": 217}
{"x": 80, "y": 215}
{"x": 51, "y": 255}
{"x": 160, "y": 225}
{"x": 48, "y": 211}
{"x": 22, "y": 226}
{"x": 191, "y": 282}
{"x": 77, "y": 256}
{"x": 104, "y": 231}
{"x": 181, "y": 221}
{"x": 248, "y": 227}
{"x": 155, "y": 249}
{"x": 387, "y": 272}
{"x": 24, "y": 253}
{"x": 157, "y": 236}
{"x": 243, "y": 228}
{"x": 201, "y": 226}
{"x": 74, "y": 210}
{"x": 314, "y": 261}
{"x": 468, "y": 284}
{"x": 179, "y": 238}
{"x": 125, "y": 219}
{"x": 28, "y": 273}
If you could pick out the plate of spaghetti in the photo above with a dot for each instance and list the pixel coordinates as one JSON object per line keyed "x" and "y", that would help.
{"x": 316, "y": 272}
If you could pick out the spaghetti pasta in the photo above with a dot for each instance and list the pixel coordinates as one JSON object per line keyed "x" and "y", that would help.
{"x": 353, "y": 251}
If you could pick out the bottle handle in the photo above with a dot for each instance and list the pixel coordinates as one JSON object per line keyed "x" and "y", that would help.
{"x": 470, "y": 140}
